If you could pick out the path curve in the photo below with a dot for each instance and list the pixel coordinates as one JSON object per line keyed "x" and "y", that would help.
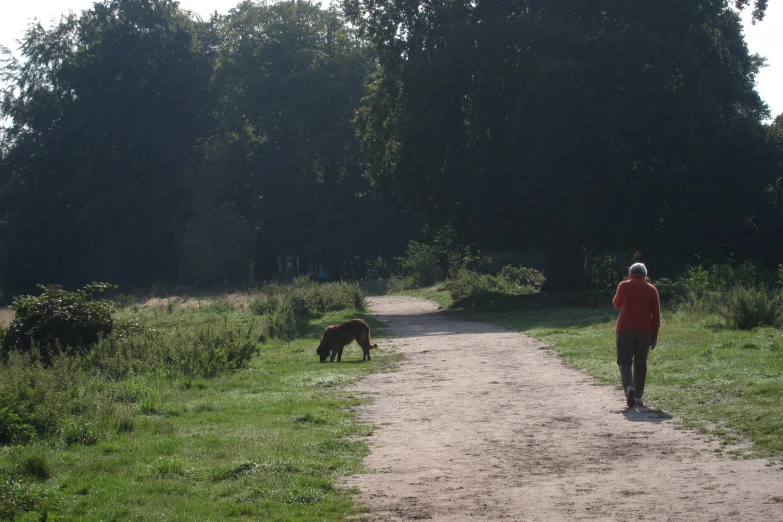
{"x": 483, "y": 424}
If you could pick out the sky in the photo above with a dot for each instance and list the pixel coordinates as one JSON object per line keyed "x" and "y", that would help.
{"x": 765, "y": 38}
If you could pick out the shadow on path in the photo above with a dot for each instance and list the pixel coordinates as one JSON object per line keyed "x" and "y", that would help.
{"x": 645, "y": 414}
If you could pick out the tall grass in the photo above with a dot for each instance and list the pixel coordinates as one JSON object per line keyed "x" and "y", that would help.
{"x": 170, "y": 397}
{"x": 79, "y": 395}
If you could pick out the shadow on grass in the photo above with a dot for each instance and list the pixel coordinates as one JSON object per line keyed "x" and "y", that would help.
{"x": 646, "y": 415}
{"x": 350, "y": 359}
{"x": 524, "y": 312}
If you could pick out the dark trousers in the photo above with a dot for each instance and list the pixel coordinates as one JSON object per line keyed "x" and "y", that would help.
{"x": 633, "y": 346}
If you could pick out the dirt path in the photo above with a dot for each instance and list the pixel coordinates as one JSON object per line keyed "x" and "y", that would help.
{"x": 483, "y": 424}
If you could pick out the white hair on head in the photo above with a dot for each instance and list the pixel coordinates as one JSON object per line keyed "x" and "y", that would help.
{"x": 638, "y": 268}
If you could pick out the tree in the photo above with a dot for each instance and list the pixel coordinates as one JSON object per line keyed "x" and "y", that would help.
{"x": 283, "y": 152}
{"x": 565, "y": 124}
{"x": 103, "y": 108}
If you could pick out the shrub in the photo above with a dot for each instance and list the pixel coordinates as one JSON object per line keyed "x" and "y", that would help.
{"x": 42, "y": 398}
{"x": 746, "y": 296}
{"x": 511, "y": 280}
{"x": 284, "y": 322}
{"x": 58, "y": 320}
{"x": 288, "y": 309}
{"x": 747, "y": 308}
{"x": 522, "y": 277}
{"x": 421, "y": 263}
{"x": 13, "y": 429}
{"x": 205, "y": 352}
{"x": 400, "y": 283}
{"x": 467, "y": 282}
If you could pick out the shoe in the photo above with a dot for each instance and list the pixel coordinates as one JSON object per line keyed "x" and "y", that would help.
{"x": 638, "y": 402}
{"x": 630, "y": 400}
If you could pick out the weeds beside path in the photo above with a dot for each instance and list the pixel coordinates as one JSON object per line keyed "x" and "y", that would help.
{"x": 264, "y": 442}
{"x": 481, "y": 423}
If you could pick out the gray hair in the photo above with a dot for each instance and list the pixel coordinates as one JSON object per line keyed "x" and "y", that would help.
{"x": 638, "y": 268}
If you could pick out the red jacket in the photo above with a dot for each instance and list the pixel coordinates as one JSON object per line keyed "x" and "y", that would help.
{"x": 639, "y": 305}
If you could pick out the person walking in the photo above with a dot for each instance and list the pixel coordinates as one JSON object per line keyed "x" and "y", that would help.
{"x": 636, "y": 331}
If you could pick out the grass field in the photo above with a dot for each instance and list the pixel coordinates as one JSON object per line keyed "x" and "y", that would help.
{"x": 728, "y": 383}
{"x": 264, "y": 443}
{"x": 437, "y": 294}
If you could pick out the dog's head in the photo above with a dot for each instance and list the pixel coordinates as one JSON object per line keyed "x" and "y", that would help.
{"x": 324, "y": 349}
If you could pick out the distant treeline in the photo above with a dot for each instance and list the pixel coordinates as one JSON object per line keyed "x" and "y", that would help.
{"x": 146, "y": 145}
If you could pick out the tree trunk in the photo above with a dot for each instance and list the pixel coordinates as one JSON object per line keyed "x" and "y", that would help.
{"x": 565, "y": 268}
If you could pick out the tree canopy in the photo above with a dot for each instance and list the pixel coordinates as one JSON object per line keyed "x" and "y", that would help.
{"x": 143, "y": 144}
{"x": 147, "y": 145}
{"x": 565, "y": 124}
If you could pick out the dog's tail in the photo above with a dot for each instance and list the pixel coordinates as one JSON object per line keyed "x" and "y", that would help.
{"x": 373, "y": 346}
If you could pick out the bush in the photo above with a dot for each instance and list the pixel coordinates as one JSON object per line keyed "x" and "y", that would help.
{"x": 746, "y": 296}
{"x": 205, "y": 352}
{"x": 747, "y": 308}
{"x": 13, "y": 429}
{"x": 723, "y": 277}
{"x": 58, "y": 320}
{"x": 467, "y": 282}
{"x": 400, "y": 283}
{"x": 284, "y": 322}
{"x": 511, "y": 280}
{"x": 421, "y": 263}
{"x": 288, "y": 309}
{"x": 522, "y": 277}
{"x": 38, "y": 400}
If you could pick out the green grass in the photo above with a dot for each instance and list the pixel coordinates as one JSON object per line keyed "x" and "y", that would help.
{"x": 266, "y": 442}
{"x": 437, "y": 294}
{"x": 728, "y": 383}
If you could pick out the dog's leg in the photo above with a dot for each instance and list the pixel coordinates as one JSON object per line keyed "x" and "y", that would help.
{"x": 364, "y": 342}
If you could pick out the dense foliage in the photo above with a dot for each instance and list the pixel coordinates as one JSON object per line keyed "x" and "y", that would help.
{"x": 58, "y": 321}
{"x": 563, "y": 125}
{"x": 745, "y": 296}
{"x": 288, "y": 309}
{"x": 145, "y": 145}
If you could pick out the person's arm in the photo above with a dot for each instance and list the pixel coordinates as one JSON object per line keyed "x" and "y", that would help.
{"x": 619, "y": 298}
{"x": 656, "y": 318}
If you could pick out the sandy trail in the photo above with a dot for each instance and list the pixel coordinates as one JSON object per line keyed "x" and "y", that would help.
{"x": 480, "y": 423}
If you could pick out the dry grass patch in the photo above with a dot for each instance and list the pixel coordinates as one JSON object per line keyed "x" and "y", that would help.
{"x": 235, "y": 299}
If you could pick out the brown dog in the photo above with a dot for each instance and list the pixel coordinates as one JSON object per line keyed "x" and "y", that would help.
{"x": 335, "y": 338}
